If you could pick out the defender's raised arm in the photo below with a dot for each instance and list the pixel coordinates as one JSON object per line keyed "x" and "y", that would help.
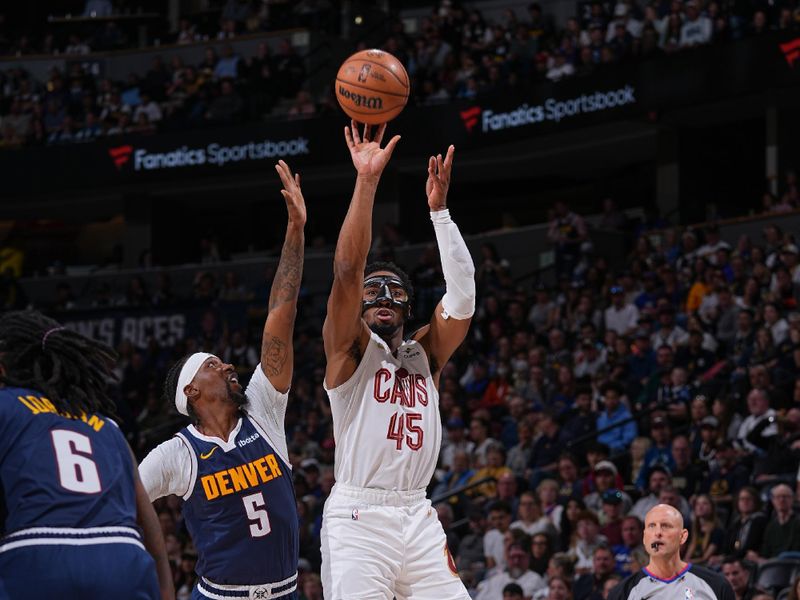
{"x": 276, "y": 345}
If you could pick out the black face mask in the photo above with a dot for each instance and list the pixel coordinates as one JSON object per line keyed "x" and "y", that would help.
{"x": 385, "y": 288}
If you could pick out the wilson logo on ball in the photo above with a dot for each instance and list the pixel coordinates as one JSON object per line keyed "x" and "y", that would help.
{"x": 360, "y": 100}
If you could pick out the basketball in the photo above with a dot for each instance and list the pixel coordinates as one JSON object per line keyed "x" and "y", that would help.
{"x": 372, "y": 87}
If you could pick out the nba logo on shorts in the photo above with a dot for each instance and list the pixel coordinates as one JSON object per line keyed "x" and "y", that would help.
{"x": 689, "y": 594}
{"x": 354, "y": 514}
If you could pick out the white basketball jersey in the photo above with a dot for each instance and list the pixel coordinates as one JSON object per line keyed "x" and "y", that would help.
{"x": 386, "y": 420}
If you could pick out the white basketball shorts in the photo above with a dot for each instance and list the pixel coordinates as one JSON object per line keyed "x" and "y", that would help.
{"x": 380, "y": 544}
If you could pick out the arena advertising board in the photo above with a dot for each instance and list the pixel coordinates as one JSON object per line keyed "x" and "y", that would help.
{"x": 644, "y": 89}
{"x": 165, "y": 327}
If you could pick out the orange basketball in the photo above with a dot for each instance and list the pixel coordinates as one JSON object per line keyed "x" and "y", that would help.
{"x": 372, "y": 87}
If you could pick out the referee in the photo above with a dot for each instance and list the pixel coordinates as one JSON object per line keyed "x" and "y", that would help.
{"x": 667, "y": 577}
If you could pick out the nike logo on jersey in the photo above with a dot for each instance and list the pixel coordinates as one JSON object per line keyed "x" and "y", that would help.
{"x": 208, "y": 454}
{"x": 242, "y": 477}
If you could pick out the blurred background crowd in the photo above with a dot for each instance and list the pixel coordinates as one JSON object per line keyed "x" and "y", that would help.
{"x": 453, "y": 53}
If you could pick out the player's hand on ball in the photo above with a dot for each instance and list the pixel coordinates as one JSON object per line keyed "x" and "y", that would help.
{"x": 439, "y": 179}
{"x": 295, "y": 203}
{"x": 368, "y": 157}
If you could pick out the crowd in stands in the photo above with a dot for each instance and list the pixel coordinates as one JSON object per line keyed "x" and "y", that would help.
{"x": 224, "y": 19}
{"x": 455, "y": 53}
{"x": 576, "y": 403}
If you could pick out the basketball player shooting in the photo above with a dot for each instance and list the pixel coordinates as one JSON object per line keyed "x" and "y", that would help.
{"x": 231, "y": 465}
{"x": 380, "y": 536}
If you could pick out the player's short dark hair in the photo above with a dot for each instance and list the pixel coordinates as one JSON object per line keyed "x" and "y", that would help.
{"x": 70, "y": 369}
{"x": 382, "y": 265}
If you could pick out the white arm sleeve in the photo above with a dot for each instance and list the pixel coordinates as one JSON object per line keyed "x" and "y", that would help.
{"x": 268, "y": 406}
{"x": 167, "y": 470}
{"x": 457, "y": 266}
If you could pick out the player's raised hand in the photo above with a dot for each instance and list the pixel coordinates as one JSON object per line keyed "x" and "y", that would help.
{"x": 368, "y": 157}
{"x": 295, "y": 203}
{"x": 439, "y": 179}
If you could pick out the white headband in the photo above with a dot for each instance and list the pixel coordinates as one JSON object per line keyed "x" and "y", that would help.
{"x": 189, "y": 370}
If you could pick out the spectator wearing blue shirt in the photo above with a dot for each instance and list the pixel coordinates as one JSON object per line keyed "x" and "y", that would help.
{"x": 228, "y": 65}
{"x": 632, "y": 530}
{"x": 547, "y": 449}
{"x": 619, "y": 438}
{"x": 659, "y": 453}
{"x": 643, "y": 360}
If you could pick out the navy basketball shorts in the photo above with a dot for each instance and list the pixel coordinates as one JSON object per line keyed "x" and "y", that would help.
{"x": 70, "y": 572}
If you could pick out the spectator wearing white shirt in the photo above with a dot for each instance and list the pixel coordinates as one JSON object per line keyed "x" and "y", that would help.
{"x": 494, "y": 539}
{"x": 696, "y": 28}
{"x": 518, "y": 571}
{"x": 668, "y": 334}
{"x": 621, "y": 317}
{"x": 776, "y": 324}
{"x": 590, "y": 360}
{"x": 531, "y": 520}
{"x": 149, "y": 108}
{"x": 713, "y": 244}
{"x": 560, "y": 68}
{"x": 456, "y": 442}
{"x": 622, "y": 14}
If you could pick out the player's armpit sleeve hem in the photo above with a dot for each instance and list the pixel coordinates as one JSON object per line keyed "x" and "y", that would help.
{"x": 162, "y": 471}
{"x": 264, "y": 400}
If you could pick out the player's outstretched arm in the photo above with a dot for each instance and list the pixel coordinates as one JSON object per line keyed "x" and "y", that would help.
{"x": 153, "y": 538}
{"x": 451, "y": 318}
{"x": 277, "y": 356}
{"x": 344, "y": 333}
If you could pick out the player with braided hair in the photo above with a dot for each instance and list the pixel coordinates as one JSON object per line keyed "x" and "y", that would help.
{"x": 231, "y": 465}
{"x": 75, "y": 510}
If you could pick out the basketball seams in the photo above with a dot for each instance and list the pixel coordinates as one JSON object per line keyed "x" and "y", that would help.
{"x": 383, "y": 66}
{"x": 359, "y": 99}
{"x": 373, "y": 90}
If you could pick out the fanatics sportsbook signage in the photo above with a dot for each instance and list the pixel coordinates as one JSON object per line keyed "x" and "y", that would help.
{"x": 609, "y": 93}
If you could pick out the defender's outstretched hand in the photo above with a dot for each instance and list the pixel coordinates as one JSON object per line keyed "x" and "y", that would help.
{"x": 439, "y": 179}
{"x": 295, "y": 203}
{"x": 368, "y": 157}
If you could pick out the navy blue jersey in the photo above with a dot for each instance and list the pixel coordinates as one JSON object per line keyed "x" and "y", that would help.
{"x": 60, "y": 470}
{"x": 241, "y": 510}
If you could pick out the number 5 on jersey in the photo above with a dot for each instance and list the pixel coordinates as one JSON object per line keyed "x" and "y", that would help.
{"x": 405, "y": 422}
{"x": 255, "y": 507}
